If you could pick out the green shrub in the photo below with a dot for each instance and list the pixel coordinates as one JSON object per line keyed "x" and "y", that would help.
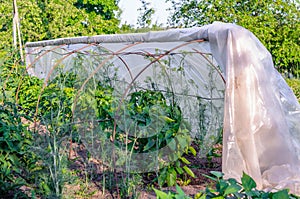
{"x": 295, "y": 86}
{"x": 29, "y": 156}
{"x": 142, "y": 107}
{"x": 16, "y": 160}
{"x": 229, "y": 188}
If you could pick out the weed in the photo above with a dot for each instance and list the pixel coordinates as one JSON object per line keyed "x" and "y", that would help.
{"x": 229, "y": 188}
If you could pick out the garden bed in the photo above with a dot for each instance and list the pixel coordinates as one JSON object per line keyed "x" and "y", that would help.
{"x": 94, "y": 188}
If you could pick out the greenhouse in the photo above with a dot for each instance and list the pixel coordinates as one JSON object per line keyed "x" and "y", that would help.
{"x": 167, "y": 88}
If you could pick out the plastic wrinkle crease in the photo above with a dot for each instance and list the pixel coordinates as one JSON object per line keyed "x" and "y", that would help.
{"x": 261, "y": 113}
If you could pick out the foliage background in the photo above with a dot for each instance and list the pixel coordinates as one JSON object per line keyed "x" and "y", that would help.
{"x": 275, "y": 23}
{"x": 42, "y": 20}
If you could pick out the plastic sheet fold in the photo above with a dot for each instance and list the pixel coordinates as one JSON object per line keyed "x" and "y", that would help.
{"x": 261, "y": 113}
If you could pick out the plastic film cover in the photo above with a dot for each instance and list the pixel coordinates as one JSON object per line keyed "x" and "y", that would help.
{"x": 261, "y": 117}
{"x": 261, "y": 113}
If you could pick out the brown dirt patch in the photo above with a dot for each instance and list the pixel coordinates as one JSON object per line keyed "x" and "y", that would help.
{"x": 92, "y": 169}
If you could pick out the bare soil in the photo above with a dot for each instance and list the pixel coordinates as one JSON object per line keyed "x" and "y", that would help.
{"x": 94, "y": 170}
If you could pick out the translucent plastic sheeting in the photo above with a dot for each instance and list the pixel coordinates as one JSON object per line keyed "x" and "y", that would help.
{"x": 261, "y": 130}
{"x": 184, "y": 71}
{"x": 262, "y": 115}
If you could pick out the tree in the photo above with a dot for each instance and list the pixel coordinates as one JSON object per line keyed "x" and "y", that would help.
{"x": 274, "y": 22}
{"x": 146, "y": 14}
{"x": 50, "y": 19}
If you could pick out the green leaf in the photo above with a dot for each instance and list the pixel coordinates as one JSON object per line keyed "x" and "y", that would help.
{"x": 149, "y": 144}
{"x": 192, "y": 150}
{"x": 183, "y": 141}
{"x": 179, "y": 170}
{"x": 162, "y": 178}
{"x": 179, "y": 190}
{"x": 171, "y": 177}
{"x": 160, "y": 194}
{"x": 233, "y": 188}
{"x": 46, "y": 188}
{"x": 189, "y": 171}
{"x": 217, "y": 174}
{"x": 252, "y": 194}
{"x": 283, "y": 194}
{"x": 232, "y": 181}
{"x": 184, "y": 160}
{"x": 221, "y": 186}
{"x": 203, "y": 196}
{"x": 167, "y": 119}
{"x": 172, "y": 145}
{"x": 247, "y": 182}
{"x": 210, "y": 177}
